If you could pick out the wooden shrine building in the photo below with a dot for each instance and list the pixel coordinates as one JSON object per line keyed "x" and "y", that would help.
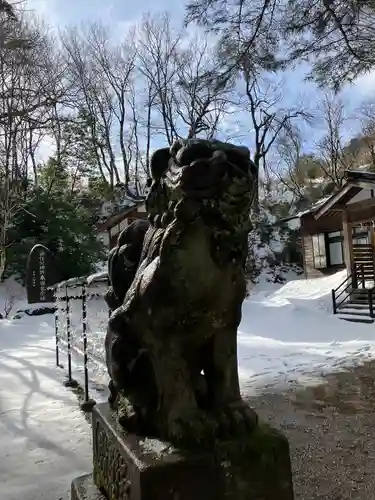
{"x": 111, "y": 227}
{"x": 338, "y": 232}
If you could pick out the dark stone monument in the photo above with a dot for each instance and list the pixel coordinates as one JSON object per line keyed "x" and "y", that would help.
{"x": 171, "y": 344}
{"x": 41, "y": 273}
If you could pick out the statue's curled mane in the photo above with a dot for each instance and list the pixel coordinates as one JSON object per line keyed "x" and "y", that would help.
{"x": 209, "y": 180}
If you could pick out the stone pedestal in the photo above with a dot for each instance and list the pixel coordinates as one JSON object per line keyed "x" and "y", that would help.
{"x": 127, "y": 467}
{"x": 83, "y": 488}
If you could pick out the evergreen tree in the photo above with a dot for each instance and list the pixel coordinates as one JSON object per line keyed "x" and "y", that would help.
{"x": 335, "y": 36}
{"x": 62, "y": 220}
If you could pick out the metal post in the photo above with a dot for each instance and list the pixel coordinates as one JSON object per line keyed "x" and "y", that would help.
{"x": 334, "y": 302}
{"x": 88, "y": 403}
{"x": 370, "y": 302}
{"x": 84, "y": 334}
{"x": 56, "y": 314}
{"x": 354, "y": 277}
{"x": 363, "y": 277}
{"x": 68, "y": 334}
{"x": 70, "y": 382}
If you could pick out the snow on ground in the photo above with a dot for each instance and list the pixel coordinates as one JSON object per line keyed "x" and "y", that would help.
{"x": 45, "y": 439}
{"x": 287, "y": 334}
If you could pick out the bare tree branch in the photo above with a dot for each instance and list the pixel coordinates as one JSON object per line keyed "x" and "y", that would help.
{"x": 335, "y": 158}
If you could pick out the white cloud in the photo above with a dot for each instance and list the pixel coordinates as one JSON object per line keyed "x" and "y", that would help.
{"x": 365, "y": 84}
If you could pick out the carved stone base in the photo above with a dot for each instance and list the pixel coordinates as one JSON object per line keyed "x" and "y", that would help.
{"x": 127, "y": 467}
{"x": 83, "y": 488}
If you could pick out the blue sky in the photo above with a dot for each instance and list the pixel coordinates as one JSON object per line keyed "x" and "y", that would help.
{"x": 115, "y": 12}
{"x": 121, "y": 13}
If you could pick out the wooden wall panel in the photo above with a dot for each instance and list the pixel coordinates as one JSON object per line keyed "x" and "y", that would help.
{"x": 308, "y": 261}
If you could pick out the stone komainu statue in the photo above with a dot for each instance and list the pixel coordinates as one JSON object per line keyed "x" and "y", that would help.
{"x": 177, "y": 287}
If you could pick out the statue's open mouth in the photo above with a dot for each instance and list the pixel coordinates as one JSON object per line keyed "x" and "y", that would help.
{"x": 206, "y": 176}
{"x": 200, "y": 179}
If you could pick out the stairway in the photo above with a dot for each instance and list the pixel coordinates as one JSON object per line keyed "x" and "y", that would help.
{"x": 363, "y": 257}
{"x": 356, "y": 309}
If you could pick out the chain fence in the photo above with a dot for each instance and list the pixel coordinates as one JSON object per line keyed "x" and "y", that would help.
{"x": 81, "y": 316}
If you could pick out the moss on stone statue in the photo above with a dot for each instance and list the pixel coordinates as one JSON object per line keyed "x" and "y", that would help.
{"x": 171, "y": 347}
{"x": 263, "y": 444}
{"x": 257, "y": 467}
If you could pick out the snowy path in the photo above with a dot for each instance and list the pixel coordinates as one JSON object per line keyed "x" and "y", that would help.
{"x": 288, "y": 334}
{"x": 45, "y": 440}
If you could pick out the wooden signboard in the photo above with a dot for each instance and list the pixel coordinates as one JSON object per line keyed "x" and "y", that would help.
{"x": 41, "y": 273}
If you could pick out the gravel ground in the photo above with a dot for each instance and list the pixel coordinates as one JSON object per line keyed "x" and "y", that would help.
{"x": 331, "y": 432}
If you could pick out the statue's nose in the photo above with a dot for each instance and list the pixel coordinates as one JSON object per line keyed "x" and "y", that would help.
{"x": 202, "y": 173}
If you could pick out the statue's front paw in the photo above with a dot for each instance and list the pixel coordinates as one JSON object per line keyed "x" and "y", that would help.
{"x": 246, "y": 416}
{"x": 236, "y": 418}
{"x": 126, "y": 415}
{"x": 195, "y": 427}
{"x": 113, "y": 395}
